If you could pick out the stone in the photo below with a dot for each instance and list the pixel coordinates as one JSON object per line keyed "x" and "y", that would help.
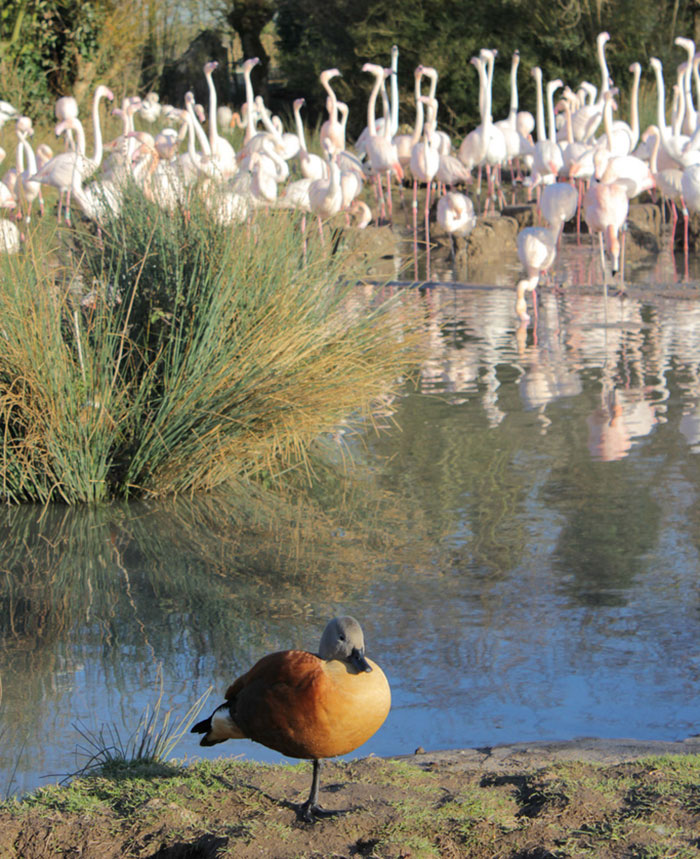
{"x": 491, "y": 236}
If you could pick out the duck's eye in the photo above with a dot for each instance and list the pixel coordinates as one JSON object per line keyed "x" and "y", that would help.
{"x": 342, "y": 637}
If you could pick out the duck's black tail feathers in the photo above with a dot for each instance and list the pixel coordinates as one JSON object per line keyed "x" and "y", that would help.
{"x": 214, "y": 734}
{"x": 202, "y": 727}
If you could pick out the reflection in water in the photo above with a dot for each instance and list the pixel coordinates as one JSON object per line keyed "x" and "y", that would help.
{"x": 520, "y": 547}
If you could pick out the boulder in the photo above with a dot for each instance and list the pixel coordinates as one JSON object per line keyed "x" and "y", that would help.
{"x": 492, "y": 236}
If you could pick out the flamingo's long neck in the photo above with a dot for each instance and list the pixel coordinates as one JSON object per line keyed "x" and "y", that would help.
{"x": 634, "y": 106}
{"x": 660, "y": 98}
{"x": 488, "y": 118}
{"x": 654, "y": 158}
{"x": 679, "y": 115}
{"x": 604, "y": 73}
{"x": 690, "y": 112}
{"x": 552, "y": 86}
{"x": 300, "y": 127}
{"x": 607, "y": 121}
{"x": 569, "y": 123}
{"x": 97, "y": 128}
{"x": 19, "y": 155}
{"x": 541, "y": 133}
{"x": 514, "y": 89}
{"x": 332, "y": 103}
{"x": 479, "y": 63}
{"x": 198, "y": 130}
{"x": 265, "y": 117}
{"x": 213, "y": 132}
{"x": 77, "y": 125}
{"x": 191, "y": 150}
{"x": 250, "y": 102}
{"x": 418, "y": 128}
{"x": 31, "y": 158}
{"x": 386, "y": 112}
{"x": 371, "y": 123}
{"x": 394, "y": 90}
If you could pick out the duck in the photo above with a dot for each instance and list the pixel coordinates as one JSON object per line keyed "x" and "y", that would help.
{"x": 306, "y": 705}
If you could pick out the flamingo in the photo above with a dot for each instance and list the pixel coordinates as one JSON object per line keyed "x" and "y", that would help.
{"x": 332, "y": 129}
{"x": 612, "y": 166}
{"x": 361, "y": 142}
{"x": 558, "y": 203}
{"x": 9, "y": 237}
{"x": 312, "y": 165}
{"x": 455, "y": 214}
{"x": 668, "y": 181}
{"x": 59, "y": 170}
{"x": 7, "y": 111}
{"x": 522, "y": 287}
{"x": 150, "y": 108}
{"x": 588, "y": 117}
{"x": 382, "y": 153}
{"x": 28, "y": 189}
{"x": 605, "y": 207}
{"x": 691, "y": 117}
{"x": 66, "y": 107}
{"x": 222, "y": 153}
{"x": 404, "y": 143}
{"x": 440, "y": 138}
{"x": 325, "y": 195}
{"x": 425, "y": 161}
{"x": 251, "y": 113}
{"x": 516, "y": 143}
{"x": 672, "y": 144}
{"x": 495, "y": 153}
{"x": 474, "y": 149}
{"x": 7, "y": 197}
{"x": 547, "y": 154}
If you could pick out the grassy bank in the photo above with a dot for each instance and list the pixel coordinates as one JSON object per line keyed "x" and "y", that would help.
{"x": 645, "y": 808}
{"x": 170, "y": 353}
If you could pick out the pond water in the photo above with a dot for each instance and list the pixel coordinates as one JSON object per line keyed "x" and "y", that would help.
{"x": 520, "y": 545}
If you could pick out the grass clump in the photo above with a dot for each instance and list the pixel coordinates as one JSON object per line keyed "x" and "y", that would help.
{"x": 172, "y": 354}
{"x": 151, "y": 743}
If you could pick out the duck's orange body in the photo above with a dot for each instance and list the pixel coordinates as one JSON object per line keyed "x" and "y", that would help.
{"x": 304, "y": 705}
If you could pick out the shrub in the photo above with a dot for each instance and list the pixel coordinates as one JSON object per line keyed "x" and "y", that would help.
{"x": 171, "y": 354}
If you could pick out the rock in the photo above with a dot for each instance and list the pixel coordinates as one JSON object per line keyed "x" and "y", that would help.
{"x": 646, "y": 217}
{"x": 375, "y": 242}
{"x": 491, "y": 236}
{"x": 643, "y": 230}
{"x": 524, "y": 214}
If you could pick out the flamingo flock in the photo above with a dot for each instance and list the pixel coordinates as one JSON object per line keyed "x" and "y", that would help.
{"x": 582, "y": 162}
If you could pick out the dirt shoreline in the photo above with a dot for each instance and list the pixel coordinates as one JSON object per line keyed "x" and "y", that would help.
{"x": 604, "y": 798}
{"x": 514, "y": 757}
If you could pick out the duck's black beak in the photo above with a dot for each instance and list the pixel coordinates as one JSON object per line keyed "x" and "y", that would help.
{"x": 357, "y": 658}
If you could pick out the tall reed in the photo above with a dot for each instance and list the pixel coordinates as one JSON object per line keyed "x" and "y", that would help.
{"x": 172, "y": 354}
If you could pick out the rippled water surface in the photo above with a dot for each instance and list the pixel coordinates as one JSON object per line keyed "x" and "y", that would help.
{"x": 520, "y": 545}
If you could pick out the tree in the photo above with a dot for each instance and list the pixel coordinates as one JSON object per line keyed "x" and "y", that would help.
{"x": 559, "y": 37}
{"x": 45, "y": 42}
{"x": 249, "y": 18}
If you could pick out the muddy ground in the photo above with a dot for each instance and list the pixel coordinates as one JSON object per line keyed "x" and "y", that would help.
{"x": 595, "y": 798}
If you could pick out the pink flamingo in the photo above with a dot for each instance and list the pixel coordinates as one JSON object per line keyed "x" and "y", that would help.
{"x": 59, "y": 170}
{"x": 425, "y": 160}
{"x": 332, "y": 129}
{"x": 605, "y": 207}
{"x": 382, "y": 153}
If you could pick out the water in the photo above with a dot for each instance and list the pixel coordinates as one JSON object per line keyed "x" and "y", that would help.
{"x": 521, "y": 547}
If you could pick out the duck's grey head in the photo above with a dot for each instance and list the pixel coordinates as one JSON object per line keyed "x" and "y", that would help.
{"x": 343, "y": 639}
